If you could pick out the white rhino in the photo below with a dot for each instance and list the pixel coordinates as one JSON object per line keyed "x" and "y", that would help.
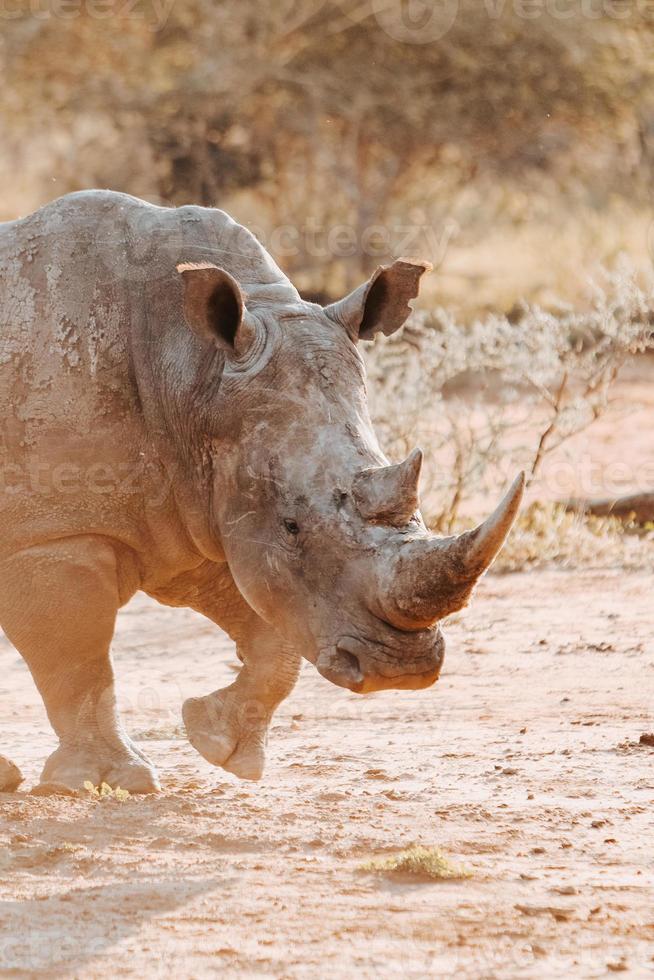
{"x": 176, "y": 419}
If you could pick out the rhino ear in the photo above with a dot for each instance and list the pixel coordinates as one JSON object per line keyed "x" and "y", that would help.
{"x": 382, "y": 303}
{"x": 214, "y": 307}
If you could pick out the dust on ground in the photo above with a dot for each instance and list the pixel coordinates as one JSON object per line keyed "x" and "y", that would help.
{"x": 523, "y": 764}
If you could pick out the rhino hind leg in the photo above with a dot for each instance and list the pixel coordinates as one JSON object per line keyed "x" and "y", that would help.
{"x": 229, "y": 727}
{"x": 58, "y": 605}
{"x": 10, "y": 776}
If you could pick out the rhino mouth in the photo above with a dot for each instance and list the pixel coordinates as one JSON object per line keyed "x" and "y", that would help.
{"x": 346, "y": 665}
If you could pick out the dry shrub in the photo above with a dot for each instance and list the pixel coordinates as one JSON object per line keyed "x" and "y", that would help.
{"x": 487, "y": 400}
{"x": 546, "y": 532}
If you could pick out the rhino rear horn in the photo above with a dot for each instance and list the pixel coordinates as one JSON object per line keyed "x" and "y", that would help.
{"x": 389, "y": 494}
{"x": 382, "y": 303}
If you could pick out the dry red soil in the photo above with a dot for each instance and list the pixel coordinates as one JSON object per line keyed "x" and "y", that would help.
{"x": 523, "y": 764}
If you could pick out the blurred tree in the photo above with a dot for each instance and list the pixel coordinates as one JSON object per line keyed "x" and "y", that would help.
{"x": 322, "y": 114}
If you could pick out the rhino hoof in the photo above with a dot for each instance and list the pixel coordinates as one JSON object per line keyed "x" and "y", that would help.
{"x": 53, "y": 789}
{"x": 135, "y": 779}
{"x": 240, "y": 752}
{"x": 247, "y": 764}
{"x": 69, "y": 769}
{"x": 10, "y": 776}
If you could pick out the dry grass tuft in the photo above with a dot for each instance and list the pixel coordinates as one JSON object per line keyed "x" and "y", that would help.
{"x": 165, "y": 733}
{"x": 419, "y": 862}
{"x": 106, "y": 792}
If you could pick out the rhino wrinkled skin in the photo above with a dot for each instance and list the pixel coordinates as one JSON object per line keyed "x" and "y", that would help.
{"x": 177, "y": 420}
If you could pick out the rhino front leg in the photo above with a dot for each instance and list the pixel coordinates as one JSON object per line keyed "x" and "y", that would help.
{"x": 229, "y": 727}
{"x": 58, "y": 605}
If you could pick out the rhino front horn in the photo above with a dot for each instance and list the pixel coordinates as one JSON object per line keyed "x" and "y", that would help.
{"x": 433, "y": 577}
{"x": 480, "y": 546}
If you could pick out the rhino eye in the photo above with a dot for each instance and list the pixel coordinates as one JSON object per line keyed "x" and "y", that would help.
{"x": 340, "y": 498}
{"x": 292, "y": 526}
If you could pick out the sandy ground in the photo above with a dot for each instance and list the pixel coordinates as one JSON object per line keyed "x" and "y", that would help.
{"x": 522, "y": 764}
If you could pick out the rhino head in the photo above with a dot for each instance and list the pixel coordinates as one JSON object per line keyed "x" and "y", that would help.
{"x": 324, "y": 537}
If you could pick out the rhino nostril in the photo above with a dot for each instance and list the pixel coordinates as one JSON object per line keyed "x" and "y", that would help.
{"x": 349, "y": 663}
{"x": 341, "y": 666}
